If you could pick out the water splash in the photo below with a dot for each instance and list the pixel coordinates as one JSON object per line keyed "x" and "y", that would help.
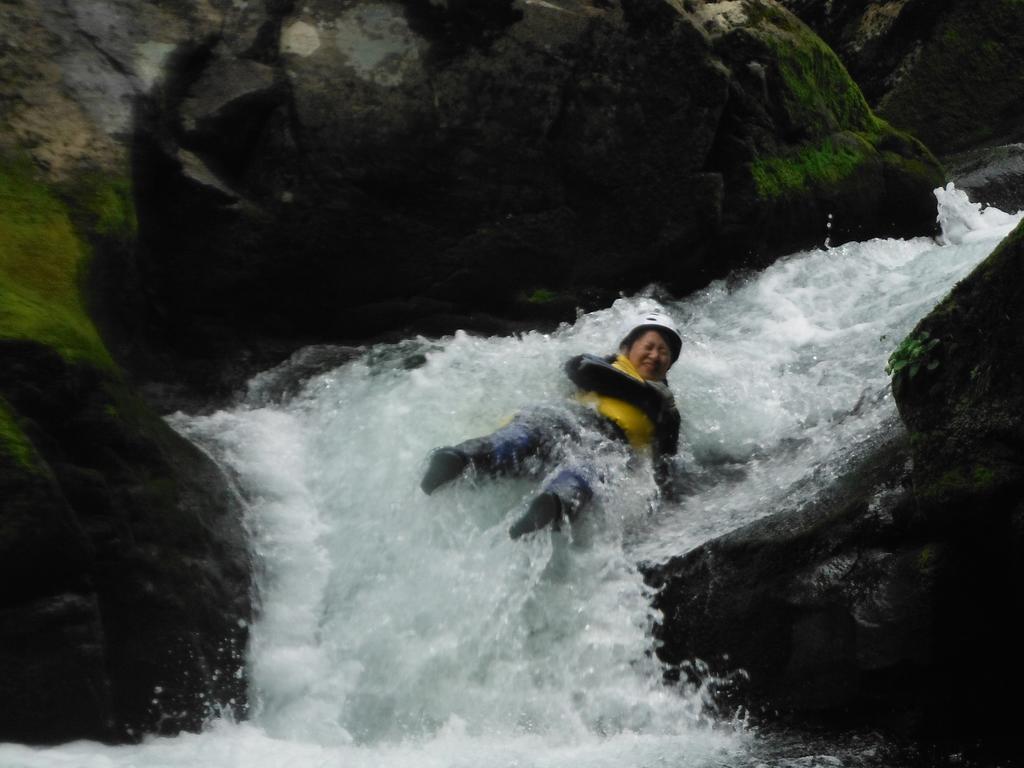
{"x": 963, "y": 221}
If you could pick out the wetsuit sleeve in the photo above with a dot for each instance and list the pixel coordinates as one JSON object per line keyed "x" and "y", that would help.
{"x": 666, "y": 443}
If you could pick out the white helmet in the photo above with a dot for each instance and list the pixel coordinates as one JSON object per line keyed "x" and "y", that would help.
{"x": 654, "y": 321}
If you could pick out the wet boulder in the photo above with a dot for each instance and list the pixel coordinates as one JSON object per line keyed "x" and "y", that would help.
{"x": 963, "y": 89}
{"x": 893, "y": 598}
{"x": 854, "y": 612}
{"x": 126, "y": 575}
{"x": 879, "y": 43}
{"x": 396, "y": 165}
{"x": 828, "y": 609}
{"x": 963, "y": 409}
{"x": 964, "y": 405}
{"x": 991, "y": 175}
{"x": 949, "y": 71}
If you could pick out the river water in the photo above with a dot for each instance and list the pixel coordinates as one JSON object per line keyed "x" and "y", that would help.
{"x": 402, "y": 630}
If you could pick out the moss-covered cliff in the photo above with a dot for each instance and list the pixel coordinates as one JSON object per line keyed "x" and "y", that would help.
{"x": 123, "y": 559}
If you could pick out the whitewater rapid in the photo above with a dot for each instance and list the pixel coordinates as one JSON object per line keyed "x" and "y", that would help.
{"x": 397, "y": 629}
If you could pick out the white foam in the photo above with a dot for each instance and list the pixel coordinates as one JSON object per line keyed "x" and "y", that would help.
{"x": 963, "y": 221}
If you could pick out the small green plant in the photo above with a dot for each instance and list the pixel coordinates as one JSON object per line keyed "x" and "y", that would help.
{"x": 910, "y": 355}
{"x": 541, "y": 296}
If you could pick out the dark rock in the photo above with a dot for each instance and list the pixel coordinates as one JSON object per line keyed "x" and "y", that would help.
{"x": 444, "y": 161}
{"x": 948, "y": 71}
{"x": 826, "y": 608}
{"x": 965, "y": 406}
{"x": 963, "y": 90}
{"x": 125, "y": 603}
{"x": 856, "y": 612}
{"x": 878, "y": 42}
{"x": 893, "y": 599}
{"x": 284, "y": 381}
{"x": 992, "y": 176}
{"x": 52, "y": 668}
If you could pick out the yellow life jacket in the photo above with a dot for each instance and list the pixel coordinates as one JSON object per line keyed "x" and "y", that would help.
{"x": 637, "y": 425}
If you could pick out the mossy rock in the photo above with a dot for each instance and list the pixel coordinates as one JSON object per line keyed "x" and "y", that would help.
{"x": 818, "y": 94}
{"x": 979, "y": 327}
{"x": 963, "y": 89}
{"x": 13, "y": 443}
{"x": 813, "y": 151}
{"x": 42, "y": 263}
{"x": 114, "y": 526}
{"x": 966, "y": 409}
{"x": 831, "y": 130}
{"x": 821, "y": 165}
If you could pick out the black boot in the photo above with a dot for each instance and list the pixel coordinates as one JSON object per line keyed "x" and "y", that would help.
{"x": 445, "y": 465}
{"x": 545, "y": 509}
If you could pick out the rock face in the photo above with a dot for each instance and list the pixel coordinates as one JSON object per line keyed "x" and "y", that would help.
{"x": 879, "y": 42}
{"x": 125, "y": 599}
{"x": 338, "y": 170}
{"x": 126, "y": 573}
{"x": 948, "y": 71}
{"x": 829, "y": 609}
{"x": 991, "y": 175}
{"x": 964, "y": 413}
{"x": 894, "y": 599}
{"x": 368, "y": 166}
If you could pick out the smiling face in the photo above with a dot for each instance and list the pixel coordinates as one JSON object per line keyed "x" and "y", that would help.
{"x": 650, "y": 355}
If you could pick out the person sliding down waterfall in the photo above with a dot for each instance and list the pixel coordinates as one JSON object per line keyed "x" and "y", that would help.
{"x": 624, "y": 397}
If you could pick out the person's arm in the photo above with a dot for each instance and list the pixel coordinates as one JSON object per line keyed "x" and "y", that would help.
{"x": 666, "y": 443}
{"x": 595, "y": 374}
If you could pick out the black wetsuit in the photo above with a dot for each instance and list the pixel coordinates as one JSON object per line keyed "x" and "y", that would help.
{"x": 597, "y": 374}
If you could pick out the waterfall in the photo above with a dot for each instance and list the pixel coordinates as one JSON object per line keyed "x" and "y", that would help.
{"x": 398, "y": 629}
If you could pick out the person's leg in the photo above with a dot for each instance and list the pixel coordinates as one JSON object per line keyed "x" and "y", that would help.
{"x": 501, "y": 452}
{"x": 564, "y": 496}
{"x": 443, "y": 466}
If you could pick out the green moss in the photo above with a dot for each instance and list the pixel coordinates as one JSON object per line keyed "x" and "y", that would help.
{"x": 836, "y": 132}
{"x": 541, "y": 296}
{"x": 818, "y": 92}
{"x": 41, "y": 261}
{"x": 983, "y": 477}
{"x": 823, "y": 164}
{"x": 966, "y": 480}
{"x": 101, "y": 205}
{"x": 13, "y": 442}
{"x": 915, "y": 167}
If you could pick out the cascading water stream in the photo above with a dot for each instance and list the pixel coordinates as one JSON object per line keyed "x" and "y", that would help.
{"x": 397, "y": 629}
